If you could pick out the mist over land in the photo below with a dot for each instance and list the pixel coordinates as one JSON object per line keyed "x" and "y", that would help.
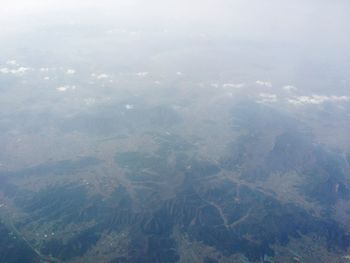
{"x": 174, "y": 131}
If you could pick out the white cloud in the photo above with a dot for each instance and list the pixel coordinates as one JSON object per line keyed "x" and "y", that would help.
{"x": 18, "y": 71}
{"x": 142, "y": 74}
{"x": 66, "y": 87}
{"x": 44, "y": 69}
{"x": 70, "y": 72}
{"x": 12, "y": 62}
{"x": 233, "y": 85}
{"x": 267, "y": 98}
{"x": 62, "y": 88}
{"x": 4, "y": 70}
{"x": 317, "y": 99}
{"x": 100, "y": 76}
{"x": 89, "y": 101}
{"x": 267, "y": 84}
{"x": 129, "y": 106}
{"x": 289, "y": 88}
{"x": 179, "y": 73}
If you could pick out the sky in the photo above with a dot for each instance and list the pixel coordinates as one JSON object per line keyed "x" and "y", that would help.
{"x": 295, "y": 52}
{"x": 313, "y": 36}
{"x": 323, "y": 20}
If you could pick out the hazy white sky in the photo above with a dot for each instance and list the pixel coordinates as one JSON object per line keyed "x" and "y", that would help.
{"x": 320, "y": 20}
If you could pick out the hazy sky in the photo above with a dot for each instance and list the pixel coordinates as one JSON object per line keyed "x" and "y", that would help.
{"x": 322, "y": 20}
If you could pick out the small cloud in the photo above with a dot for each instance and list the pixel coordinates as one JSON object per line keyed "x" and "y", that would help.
{"x": 267, "y": 84}
{"x": 70, "y": 72}
{"x": 129, "y": 106}
{"x": 157, "y": 82}
{"x": 66, "y": 87}
{"x": 47, "y": 78}
{"x": 317, "y": 99}
{"x": 179, "y": 73}
{"x": 12, "y": 62}
{"x": 233, "y": 85}
{"x": 267, "y": 98}
{"x": 62, "y": 88}
{"x": 89, "y": 101}
{"x": 100, "y": 76}
{"x": 18, "y": 71}
{"x": 289, "y": 88}
{"x": 215, "y": 85}
{"x": 44, "y": 69}
{"x": 4, "y": 70}
{"x": 142, "y": 74}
